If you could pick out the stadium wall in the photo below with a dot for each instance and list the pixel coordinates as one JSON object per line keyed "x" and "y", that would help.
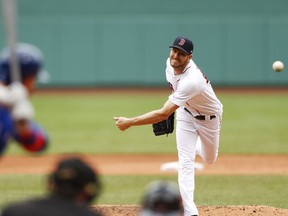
{"x": 125, "y": 43}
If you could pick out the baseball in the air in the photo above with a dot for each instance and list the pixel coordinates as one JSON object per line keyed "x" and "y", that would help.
{"x": 278, "y": 66}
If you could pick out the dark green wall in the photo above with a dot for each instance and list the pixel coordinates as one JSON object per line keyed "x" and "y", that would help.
{"x": 125, "y": 42}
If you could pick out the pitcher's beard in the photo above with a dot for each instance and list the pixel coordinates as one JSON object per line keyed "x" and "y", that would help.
{"x": 175, "y": 64}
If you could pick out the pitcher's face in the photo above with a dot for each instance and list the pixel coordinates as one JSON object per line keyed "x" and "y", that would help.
{"x": 179, "y": 59}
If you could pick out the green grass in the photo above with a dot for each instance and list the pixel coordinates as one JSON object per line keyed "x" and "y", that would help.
{"x": 255, "y": 123}
{"x": 252, "y": 123}
{"x": 210, "y": 190}
{"x": 242, "y": 190}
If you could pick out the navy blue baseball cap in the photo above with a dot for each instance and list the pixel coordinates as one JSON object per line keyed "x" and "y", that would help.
{"x": 184, "y": 44}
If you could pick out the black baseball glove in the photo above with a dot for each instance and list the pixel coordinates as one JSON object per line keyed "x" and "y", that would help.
{"x": 164, "y": 127}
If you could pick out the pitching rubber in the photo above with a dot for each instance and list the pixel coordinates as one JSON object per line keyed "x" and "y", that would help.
{"x": 173, "y": 166}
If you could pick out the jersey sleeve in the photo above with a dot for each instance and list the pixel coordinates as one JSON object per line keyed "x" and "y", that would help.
{"x": 184, "y": 92}
{"x": 34, "y": 141}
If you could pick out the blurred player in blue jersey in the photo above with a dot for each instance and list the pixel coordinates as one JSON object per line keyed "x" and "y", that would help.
{"x": 16, "y": 110}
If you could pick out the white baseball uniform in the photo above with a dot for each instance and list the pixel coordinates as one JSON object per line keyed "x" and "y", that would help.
{"x": 198, "y": 125}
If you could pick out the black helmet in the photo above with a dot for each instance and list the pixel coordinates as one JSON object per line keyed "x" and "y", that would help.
{"x": 73, "y": 175}
{"x": 30, "y": 63}
{"x": 162, "y": 198}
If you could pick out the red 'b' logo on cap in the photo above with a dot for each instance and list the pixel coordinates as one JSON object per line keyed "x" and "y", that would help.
{"x": 182, "y": 42}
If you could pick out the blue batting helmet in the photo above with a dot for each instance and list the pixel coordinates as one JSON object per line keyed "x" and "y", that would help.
{"x": 30, "y": 60}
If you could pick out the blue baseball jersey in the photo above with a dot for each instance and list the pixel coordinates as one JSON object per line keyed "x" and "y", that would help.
{"x": 34, "y": 141}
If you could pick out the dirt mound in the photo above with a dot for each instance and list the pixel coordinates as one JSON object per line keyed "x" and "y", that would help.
{"x": 133, "y": 210}
{"x": 150, "y": 164}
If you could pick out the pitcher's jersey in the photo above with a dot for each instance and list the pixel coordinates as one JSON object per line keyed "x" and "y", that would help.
{"x": 192, "y": 90}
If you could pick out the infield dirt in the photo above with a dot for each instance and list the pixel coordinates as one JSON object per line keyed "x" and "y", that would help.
{"x": 150, "y": 164}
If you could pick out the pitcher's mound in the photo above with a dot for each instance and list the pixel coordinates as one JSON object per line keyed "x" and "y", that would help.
{"x": 133, "y": 210}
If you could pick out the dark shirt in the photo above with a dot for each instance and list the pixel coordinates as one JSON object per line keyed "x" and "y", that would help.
{"x": 50, "y": 206}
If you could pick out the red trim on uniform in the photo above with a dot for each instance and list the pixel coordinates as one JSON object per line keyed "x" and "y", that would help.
{"x": 36, "y": 142}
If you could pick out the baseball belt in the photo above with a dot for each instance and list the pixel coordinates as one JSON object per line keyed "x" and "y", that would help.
{"x": 201, "y": 117}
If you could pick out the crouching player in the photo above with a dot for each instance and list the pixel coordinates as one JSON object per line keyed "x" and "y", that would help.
{"x": 16, "y": 110}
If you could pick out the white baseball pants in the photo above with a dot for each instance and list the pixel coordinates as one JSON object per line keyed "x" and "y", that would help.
{"x": 194, "y": 137}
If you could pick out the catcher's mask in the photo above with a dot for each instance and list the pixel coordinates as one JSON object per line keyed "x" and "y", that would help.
{"x": 73, "y": 176}
{"x": 162, "y": 198}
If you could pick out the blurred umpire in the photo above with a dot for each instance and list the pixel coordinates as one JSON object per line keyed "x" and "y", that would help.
{"x": 72, "y": 187}
{"x": 162, "y": 198}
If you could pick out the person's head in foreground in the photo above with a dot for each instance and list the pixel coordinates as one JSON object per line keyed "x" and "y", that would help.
{"x": 74, "y": 179}
{"x": 162, "y": 198}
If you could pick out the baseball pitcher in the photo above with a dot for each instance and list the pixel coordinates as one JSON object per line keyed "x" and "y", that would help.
{"x": 198, "y": 115}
